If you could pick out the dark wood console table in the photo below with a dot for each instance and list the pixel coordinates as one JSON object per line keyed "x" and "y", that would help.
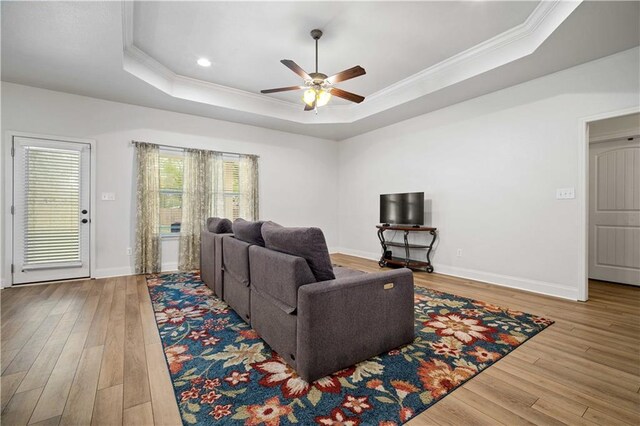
{"x": 406, "y": 261}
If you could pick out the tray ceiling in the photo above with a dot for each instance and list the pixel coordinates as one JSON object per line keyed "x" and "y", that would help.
{"x": 245, "y": 41}
{"x": 419, "y": 56}
{"x": 370, "y": 31}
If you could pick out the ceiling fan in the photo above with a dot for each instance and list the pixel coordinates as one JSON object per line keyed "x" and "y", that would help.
{"x": 319, "y": 86}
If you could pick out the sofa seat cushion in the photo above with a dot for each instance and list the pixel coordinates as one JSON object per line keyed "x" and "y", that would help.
{"x": 219, "y": 225}
{"x": 308, "y": 243}
{"x": 249, "y": 232}
{"x": 342, "y": 272}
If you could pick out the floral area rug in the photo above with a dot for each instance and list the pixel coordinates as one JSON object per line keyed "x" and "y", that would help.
{"x": 223, "y": 373}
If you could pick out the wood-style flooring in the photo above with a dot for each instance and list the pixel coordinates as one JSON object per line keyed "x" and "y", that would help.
{"x": 88, "y": 352}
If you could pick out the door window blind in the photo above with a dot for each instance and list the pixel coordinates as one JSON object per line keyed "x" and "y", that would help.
{"x": 52, "y": 206}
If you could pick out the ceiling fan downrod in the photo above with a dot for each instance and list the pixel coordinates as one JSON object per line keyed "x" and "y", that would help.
{"x": 316, "y": 34}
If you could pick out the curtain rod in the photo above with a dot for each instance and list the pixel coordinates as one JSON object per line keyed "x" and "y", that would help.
{"x": 133, "y": 142}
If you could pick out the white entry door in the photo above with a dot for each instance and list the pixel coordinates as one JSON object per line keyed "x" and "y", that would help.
{"x": 51, "y": 199}
{"x": 614, "y": 211}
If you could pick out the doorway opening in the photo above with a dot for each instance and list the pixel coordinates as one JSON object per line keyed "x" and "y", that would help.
{"x": 613, "y": 194}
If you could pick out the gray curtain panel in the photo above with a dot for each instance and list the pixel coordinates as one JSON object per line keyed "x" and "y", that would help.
{"x": 148, "y": 206}
{"x": 196, "y": 204}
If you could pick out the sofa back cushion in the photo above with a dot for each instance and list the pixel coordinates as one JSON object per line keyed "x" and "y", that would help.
{"x": 219, "y": 225}
{"x": 278, "y": 276}
{"x": 308, "y": 243}
{"x": 249, "y": 232}
{"x": 235, "y": 260}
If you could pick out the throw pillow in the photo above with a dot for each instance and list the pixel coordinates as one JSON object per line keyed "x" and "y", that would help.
{"x": 249, "y": 232}
{"x": 219, "y": 225}
{"x": 308, "y": 243}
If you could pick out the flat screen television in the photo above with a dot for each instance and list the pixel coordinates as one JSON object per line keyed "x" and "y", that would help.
{"x": 402, "y": 209}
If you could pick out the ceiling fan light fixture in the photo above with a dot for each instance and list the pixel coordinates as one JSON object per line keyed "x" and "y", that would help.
{"x": 317, "y": 97}
{"x": 318, "y": 88}
{"x": 323, "y": 98}
{"x": 309, "y": 97}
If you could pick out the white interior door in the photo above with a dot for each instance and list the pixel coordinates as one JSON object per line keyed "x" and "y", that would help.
{"x": 614, "y": 211}
{"x": 51, "y": 199}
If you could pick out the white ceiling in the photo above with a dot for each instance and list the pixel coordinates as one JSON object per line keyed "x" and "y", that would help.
{"x": 77, "y": 47}
{"x": 246, "y": 41}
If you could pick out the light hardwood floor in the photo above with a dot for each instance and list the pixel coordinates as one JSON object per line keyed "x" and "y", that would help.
{"x": 88, "y": 352}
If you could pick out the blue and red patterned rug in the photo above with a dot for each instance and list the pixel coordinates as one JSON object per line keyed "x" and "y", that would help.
{"x": 223, "y": 373}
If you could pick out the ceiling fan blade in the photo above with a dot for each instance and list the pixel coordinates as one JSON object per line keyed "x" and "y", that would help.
{"x": 295, "y": 68}
{"x": 310, "y": 107}
{"x": 346, "y": 95}
{"x": 354, "y": 72}
{"x": 282, "y": 89}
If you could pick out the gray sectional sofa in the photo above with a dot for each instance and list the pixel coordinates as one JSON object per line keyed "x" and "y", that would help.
{"x": 318, "y": 317}
{"x": 211, "y": 240}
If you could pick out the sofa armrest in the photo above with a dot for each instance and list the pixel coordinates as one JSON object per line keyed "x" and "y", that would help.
{"x": 207, "y": 259}
{"x": 347, "y": 320}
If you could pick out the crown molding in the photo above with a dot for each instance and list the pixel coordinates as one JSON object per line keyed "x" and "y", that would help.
{"x": 513, "y": 44}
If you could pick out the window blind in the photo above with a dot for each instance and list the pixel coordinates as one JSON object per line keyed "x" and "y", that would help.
{"x": 231, "y": 186}
{"x": 231, "y": 176}
{"x": 171, "y": 164}
{"x": 52, "y": 206}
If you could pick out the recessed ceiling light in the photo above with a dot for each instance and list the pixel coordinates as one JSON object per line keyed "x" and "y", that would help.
{"x": 204, "y": 62}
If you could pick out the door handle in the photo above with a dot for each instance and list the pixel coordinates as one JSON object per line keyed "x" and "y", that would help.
{"x": 84, "y": 220}
{"x": 84, "y": 211}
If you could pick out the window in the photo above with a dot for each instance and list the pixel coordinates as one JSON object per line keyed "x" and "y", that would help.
{"x": 171, "y": 181}
{"x": 231, "y": 187}
{"x": 171, "y": 168}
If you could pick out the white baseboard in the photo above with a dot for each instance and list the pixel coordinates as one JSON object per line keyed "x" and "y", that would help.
{"x": 356, "y": 253}
{"x": 540, "y": 287}
{"x": 169, "y": 267}
{"x": 127, "y": 270}
{"x": 113, "y": 272}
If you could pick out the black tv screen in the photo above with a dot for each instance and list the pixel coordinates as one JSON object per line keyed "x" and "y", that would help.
{"x": 402, "y": 209}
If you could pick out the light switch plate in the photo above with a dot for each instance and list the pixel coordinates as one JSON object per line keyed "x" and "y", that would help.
{"x": 565, "y": 193}
{"x": 108, "y": 196}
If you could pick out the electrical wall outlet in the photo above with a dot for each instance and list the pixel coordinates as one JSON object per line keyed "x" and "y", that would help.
{"x": 459, "y": 253}
{"x": 129, "y": 251}
{"x": 108, "y": 196}
{"x": 565, "y": 193}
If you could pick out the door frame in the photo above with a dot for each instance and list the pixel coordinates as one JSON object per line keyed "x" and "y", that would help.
{"x": 583, "y": 192}
{"x": 7, "y": 201}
